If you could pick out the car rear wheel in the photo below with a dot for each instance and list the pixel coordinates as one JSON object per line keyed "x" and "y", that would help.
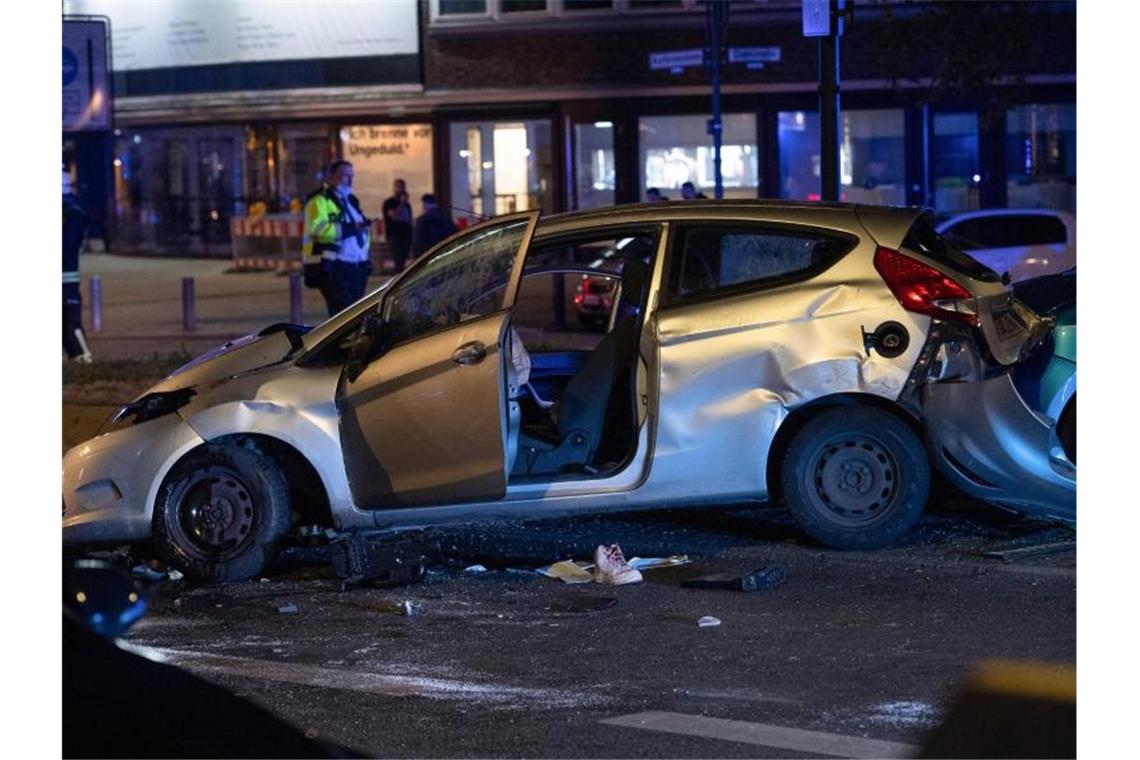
{"x": 222, "y": 512}
{"x": 856, "y": 478}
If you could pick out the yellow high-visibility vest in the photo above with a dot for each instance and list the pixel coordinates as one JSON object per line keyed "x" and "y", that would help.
{"x": 322, "y": 234}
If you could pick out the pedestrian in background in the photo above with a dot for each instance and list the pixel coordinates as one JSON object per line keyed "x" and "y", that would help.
{"x": 689, "y": 192}
{"x": 653, "y": 195}
{"x": 74, "y": 229}
{"x": 336, "y": 243}
{"x": 398, "y": 224}
{"x": 432, "y": 226}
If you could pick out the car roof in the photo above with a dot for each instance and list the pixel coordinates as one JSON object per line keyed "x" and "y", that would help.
{"x": 842, "y": 215}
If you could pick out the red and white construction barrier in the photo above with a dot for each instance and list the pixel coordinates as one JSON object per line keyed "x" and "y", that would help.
{"x": 274, "y": 242}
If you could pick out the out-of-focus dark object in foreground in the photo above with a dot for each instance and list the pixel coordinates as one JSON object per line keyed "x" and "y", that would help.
{"x": 1010, "y": 709}
{"x": 102, "y": 599}
{"x": 118, "y": 704}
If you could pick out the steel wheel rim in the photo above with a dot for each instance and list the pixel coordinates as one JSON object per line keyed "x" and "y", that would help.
{"x": 214, "y": 516}
{"x": 854, "y": 479}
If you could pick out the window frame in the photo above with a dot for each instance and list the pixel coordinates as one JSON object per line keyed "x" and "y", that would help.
{"x": 530, "y": 218}
{"x": 555, "y": 9}
{"x": 670, "y": 298}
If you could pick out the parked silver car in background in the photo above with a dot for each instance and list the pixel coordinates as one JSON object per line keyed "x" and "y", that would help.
{"x": 1023, "y": 242}
{"x": 756, "y": 350}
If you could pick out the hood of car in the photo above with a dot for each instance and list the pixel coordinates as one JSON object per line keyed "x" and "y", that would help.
{"x": 236, "y": 357}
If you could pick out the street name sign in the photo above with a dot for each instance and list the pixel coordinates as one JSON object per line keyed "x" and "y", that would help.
{"x": 676, "y": 60}
{"x": 754, "y": 55}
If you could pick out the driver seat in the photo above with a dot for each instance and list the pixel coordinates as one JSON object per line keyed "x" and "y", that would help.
{"x": 581, "y": 412}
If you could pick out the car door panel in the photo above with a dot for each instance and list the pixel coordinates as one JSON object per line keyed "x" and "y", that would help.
{"x": 443, "y": 399}
{"x": 425, "y": 422}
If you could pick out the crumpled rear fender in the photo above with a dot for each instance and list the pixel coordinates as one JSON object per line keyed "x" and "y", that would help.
{"x": 988, "y": 441}
{"x": 732, "y": 372}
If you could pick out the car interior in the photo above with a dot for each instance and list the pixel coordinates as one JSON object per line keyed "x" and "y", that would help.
{"x": 574, "y": 413}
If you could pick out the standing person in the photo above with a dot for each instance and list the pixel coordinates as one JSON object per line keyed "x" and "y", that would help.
{"x": 432, "y": 226}
{"x": 74, "y": 228}
{"x": 653, "y": 195}
{"x": 398, "y": 224}
{"x": 336, "y": 240}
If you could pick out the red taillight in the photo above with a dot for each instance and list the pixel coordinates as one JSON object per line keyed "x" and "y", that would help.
{"x": 920, "y": 288}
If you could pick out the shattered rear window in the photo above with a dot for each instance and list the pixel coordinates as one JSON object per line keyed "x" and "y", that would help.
{"x": 922, "y": 238}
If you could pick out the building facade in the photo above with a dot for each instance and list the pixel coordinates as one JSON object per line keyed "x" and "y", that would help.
{"x": 505, "y": 105}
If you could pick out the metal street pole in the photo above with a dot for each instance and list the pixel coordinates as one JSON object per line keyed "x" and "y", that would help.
{"x": 829, "y": 111}
{"x": 716, "y": 19}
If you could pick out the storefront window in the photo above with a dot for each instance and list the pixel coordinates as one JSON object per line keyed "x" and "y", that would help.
{"x": 678, "y": 149}
{"x": 872, "y": 156}
{"x": 587, "y": 5}
{"x": 513, "y": 6}
{"x": 499, "y": 168}
{"x": 302, "y": 154}
{"x": 1041, "y": 156}
{"x": 594, "y": 164}
{"x": 383, "y": 153}
{"x": 458, "y": 7}
{"x": 956, "y": 164}
{"x": 176, "y": 189}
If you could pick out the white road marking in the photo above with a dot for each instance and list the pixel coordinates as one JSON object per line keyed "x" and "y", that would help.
{"x": 374, "y": 683}
{"x": 762, "y": 734}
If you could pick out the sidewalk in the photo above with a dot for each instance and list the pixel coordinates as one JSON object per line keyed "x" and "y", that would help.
{"x": 142, "y": 304}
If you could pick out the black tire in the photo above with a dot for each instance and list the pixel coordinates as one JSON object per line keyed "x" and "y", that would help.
{"x": 221, "y": 512}
{"x": 856, "y": 477}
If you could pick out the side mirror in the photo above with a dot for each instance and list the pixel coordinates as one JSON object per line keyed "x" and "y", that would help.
{"x": 362, "y": 348}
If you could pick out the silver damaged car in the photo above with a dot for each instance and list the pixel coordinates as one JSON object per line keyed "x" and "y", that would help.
{"x": 755, "y": 351}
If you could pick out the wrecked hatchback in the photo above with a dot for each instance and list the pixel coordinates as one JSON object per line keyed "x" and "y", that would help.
{"x": 754, "y": 351}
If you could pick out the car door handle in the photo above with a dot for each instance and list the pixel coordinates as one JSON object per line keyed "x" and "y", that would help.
{"x": 470, "y": 353}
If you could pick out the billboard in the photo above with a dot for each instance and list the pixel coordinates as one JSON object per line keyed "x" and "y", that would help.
{"x": 161, "y": 34}
{"x": 86, "y": 76}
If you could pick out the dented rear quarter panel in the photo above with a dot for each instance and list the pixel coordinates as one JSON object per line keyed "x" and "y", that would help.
{"x": 733, "y": 369}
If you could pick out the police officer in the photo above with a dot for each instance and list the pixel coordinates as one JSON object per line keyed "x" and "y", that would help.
{"x": 336, "y": 241}
{"x": 74, "y": 228}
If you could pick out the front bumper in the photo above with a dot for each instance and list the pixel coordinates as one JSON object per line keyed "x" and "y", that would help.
{"x": 110, "y": 482}
{"x": 989, "y": 443}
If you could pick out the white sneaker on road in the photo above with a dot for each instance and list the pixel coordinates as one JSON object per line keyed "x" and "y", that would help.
{"x": 611, "y": 568}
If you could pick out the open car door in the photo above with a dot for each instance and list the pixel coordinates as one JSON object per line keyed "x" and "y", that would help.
{"x": 425, "y": 422}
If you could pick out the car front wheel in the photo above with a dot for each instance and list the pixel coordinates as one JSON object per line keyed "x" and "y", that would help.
{"x": 222, "y": 512}
{"x": 856, "y": 478}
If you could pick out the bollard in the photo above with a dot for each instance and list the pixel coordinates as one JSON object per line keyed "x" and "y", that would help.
{"x": 96, "y": 296}
{"x": 188, "y": 321}
{"x": 295, "y": 298}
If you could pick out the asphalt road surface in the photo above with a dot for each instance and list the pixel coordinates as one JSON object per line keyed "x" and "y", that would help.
{"x": 855, "y": 654}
